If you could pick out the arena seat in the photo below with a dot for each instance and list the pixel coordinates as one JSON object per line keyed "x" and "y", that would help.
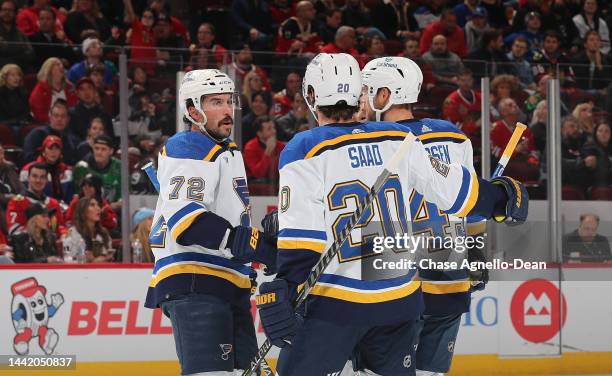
{"x": 570, "y": 192}
{"x": 601, "y": 193}
{"x": 7, "y": 137}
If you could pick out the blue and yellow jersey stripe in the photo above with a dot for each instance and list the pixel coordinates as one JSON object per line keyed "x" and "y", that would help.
{"x": 298, "y": 239}
{"x": 365, "y": 292}
{"x": 182, "y": 219}
{"x": 201, "y": 264}
{"x": 196, "y": 146}
{"x": 355, "y": 138}
{"x": 467, "y": 197}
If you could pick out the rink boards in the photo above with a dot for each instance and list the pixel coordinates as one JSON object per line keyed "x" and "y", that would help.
{"x": 531, "y": 323}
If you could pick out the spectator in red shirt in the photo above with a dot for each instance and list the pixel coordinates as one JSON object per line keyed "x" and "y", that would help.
{"x": 161, "y": 6}
{"x": 281, "y": 10}
{"x": 261, "y": 152}
{"x": 344, "y": 42}
{"x": 52, "y": 85}
{"x": 447, "y": 26}
{"x": 207, "y": 54}
{"x": 59, "y": 185}
{"x": 17, "y": 206}
{"x": 462, "y": 106}
{"x": 284, "y": 98}
{"x": 27, "y": 18}
{"x": 375, "y": 48}
{"x": 142, "y": 39}
{"x": 524, "y": 163}
{"x": 298, "y": 35}
{"x": 243, "y": 64}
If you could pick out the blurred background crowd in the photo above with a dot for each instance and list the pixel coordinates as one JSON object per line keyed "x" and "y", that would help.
{"x": 60, "y": 177}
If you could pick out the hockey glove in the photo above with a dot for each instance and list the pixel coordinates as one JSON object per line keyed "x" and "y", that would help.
{"x": 517, "y": 207}
{"x": 247, "y": 244}
{"x": 480, "y": 277}
{"x": 278, "y": 318}
{"x": 270, "y": 226}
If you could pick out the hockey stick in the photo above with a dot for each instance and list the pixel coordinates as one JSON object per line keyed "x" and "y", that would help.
{"x": 331, "y": 252}
{"x": 514, "y": 140}
{"x": 149, "y": 169}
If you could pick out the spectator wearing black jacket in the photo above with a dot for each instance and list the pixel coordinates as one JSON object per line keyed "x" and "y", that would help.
{"x": 37, "y": 244}
{"x": 254, "y": 20}
{"x": 10, "y": 185}
{"x": 585, "y": 244}
{"x": 330, "y": 24}
{"x": 58, "y": 126}
{"x": 576, "y": 168}
{"x": 601, "y": 148}
{"x": 591, "y": 67}
{"x": 490, "y": 60}
{"x": 18, "y": 49}
{"x": 50, "y": 43}
{"x": 86, "y": 109}
{"x": 14, "y": 107}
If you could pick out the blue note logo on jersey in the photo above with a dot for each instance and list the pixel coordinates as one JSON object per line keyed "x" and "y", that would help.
{"x": 364, "y": 156}
{"x": 242, "y": 190}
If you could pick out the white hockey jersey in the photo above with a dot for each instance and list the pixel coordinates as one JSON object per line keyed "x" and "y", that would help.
{"x": 203, "y": 193}
{"x": 444, "y": 292}
{"x": 324, "y": 172}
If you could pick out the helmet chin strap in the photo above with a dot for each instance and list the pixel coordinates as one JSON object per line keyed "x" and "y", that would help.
{"x": 376, "y": 110}
{"x": 202, "y": 125}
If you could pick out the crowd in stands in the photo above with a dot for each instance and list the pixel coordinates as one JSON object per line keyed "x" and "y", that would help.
{"x": 59, "y": 92}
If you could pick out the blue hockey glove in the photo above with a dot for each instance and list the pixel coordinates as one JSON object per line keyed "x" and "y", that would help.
{"x": 517, "y": 206}
{"x": 270, "y": 226}
{"x": 278, "y": 318}
{"x": 247, "y": 244}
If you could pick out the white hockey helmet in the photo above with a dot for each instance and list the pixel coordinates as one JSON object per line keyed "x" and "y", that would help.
{"x": 200, "y": 82}
{"x": 331, "y": 78}
{"x": 400, "y": 75}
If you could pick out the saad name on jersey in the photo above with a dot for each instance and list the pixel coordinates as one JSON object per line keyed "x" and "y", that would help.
{"x": 364, "y": 156}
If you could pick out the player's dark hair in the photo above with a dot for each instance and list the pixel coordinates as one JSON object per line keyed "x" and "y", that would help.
{"x": 210, "y": 26}
{"x": 552, "y": 34}
{"x": 259, "y": 122}
{"x": 47, "y": 8}
{"x": 330, "y": 12}
{"x": 39, "y": 166}
{"x": 489, "y": 36}
{"x": 447, "y": 12}
{"x": 588, "y": 34}
{"x": 465, "y": 72}
{"x": 59, "y": 103}
{"x": 339, "y": 112}
{"x": 522, "y": 39}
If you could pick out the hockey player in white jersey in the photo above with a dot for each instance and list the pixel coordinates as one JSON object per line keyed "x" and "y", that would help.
{"x": 446, "y": 293}
{"x": 201, "y": 236}
{"x": 324, "y": 173}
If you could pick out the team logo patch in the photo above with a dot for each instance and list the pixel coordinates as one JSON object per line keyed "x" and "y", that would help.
{"x": 226, "y": 349}
{"x": 355, "y": 131}
{"x": 451, "y": 346}
{"x": 31, "y": 310}
{"x": 285, "y": 198}
{"x": 407, "y": 361}
{"x": 441, "y": 167}
{"x": 425, "y": 129}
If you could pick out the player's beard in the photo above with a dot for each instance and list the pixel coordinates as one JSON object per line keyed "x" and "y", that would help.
{"x": 220, "y": 133}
